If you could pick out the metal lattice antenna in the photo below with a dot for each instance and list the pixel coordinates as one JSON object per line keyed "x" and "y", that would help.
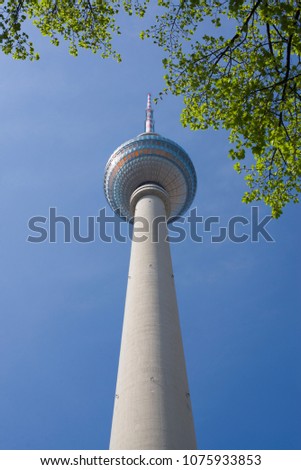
{"x": 149, "y": 121}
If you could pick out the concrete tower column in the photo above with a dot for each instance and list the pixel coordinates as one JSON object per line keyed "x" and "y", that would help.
{"x": 152, "y": 405}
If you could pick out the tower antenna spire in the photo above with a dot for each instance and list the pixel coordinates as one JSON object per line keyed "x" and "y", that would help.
{"x": 149, "y": 121}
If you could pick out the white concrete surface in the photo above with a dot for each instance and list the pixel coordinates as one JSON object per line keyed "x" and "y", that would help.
{"x": 152, "y": 405}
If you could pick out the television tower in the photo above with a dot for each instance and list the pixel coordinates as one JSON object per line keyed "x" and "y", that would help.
{"x": 148, "y": 180}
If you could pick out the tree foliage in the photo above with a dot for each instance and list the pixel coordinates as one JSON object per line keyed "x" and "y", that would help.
{"x": 84, "y": 23}
{"x": 244, "y": 74}
{"x": 247, "y": 81}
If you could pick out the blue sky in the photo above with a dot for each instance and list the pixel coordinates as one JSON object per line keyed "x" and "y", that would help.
{"x": 61, "y": 305}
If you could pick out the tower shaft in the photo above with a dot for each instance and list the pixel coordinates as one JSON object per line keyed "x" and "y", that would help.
{"x": 152, "y": 405}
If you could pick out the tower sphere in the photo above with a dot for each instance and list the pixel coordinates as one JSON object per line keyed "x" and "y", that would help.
{"x": 149, "y": 159}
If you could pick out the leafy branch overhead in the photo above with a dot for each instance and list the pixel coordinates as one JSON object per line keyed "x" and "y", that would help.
{"x": 246, "y": 80}
{"x": 236, "y": 63}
